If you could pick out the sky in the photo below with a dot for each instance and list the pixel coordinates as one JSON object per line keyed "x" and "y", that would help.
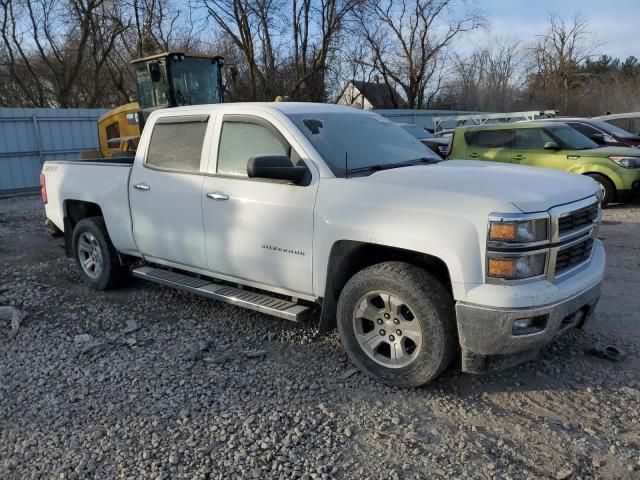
{"x": 614, "y": 23}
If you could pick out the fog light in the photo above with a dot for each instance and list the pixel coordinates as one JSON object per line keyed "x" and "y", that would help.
{"x": 527, "y": 326}
{"x": 522, "y": 323}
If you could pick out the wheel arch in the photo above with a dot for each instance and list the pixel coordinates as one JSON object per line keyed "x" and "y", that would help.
{"x": 347, "y": 257}
{"x": 74, "y": 211}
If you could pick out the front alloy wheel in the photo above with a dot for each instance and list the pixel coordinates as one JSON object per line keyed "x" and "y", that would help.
{"x": 397, "y": 323}
{"x": 387, "y": 330}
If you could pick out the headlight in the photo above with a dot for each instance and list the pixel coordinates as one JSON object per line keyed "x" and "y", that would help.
{"x": 627, "y": 162}
{"x": 518, "y": 231}
{"x": 517, "y": 268}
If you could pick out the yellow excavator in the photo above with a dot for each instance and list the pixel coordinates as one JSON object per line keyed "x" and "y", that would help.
{"x": 165, "y": 80}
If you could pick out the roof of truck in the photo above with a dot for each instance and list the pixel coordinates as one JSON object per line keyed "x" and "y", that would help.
{"x": 283, "y": 107}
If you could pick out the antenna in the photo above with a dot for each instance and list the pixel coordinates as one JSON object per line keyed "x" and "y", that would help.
{"x": 346, "y": 164}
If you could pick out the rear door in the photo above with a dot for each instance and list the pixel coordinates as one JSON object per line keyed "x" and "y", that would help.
{"x": 529, "y": 149}
{"x": 166, "y": 192}
{"x": 491, "y": 145}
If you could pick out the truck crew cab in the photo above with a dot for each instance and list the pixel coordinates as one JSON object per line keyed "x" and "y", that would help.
{"x": 293, "y": 208}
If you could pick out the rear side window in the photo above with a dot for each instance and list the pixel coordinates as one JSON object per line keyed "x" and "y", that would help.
{"x": 489, "y": 138}
{"x": 586, "y": 130}
{"x": 241, "y": 140}
{"x": 177, "y": 145}
{"x": 532, "y": 138}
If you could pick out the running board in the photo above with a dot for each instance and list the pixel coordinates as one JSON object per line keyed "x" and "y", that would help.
{"x": 224, "y": 293}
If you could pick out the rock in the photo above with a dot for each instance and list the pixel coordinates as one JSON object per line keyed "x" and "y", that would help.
{"x": 174, "y": 458}
{"x": 132, "y": 326}
{"x": 564, "y": 474}
{"x": 254, "y": 353}
{"x": 83, "y": 338}
{"x": 348, "y": 373}
{"x": 14, "y": 317}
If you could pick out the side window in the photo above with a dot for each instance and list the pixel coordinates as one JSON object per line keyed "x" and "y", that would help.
{"x": 623, "y": 123}
{"x": 532, "y": 138}
{"x": 177, "y": 145}
{"x": 113, "y": 135}
{"x": 490, "y": 138}
{"x": 586, "y": 130}
{"x": 241, "y": 140}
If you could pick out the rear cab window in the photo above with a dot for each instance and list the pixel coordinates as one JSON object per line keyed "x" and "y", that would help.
{"x": 176, "y": 143}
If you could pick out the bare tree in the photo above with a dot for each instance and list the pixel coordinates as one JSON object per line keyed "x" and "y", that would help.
{"x": 409, "y": 41}
{"x": 557, "y": 57}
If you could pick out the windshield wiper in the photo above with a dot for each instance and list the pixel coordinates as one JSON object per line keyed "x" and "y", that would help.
{"x": 388, "y": 166}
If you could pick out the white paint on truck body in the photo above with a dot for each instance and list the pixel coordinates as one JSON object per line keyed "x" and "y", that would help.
{"x": 279, "y": 236}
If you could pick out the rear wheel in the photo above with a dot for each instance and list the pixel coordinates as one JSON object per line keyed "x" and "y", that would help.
{"x": 607, "y": 188}
{"x": 397, "y": 324}
{"x": 95, "y": 255}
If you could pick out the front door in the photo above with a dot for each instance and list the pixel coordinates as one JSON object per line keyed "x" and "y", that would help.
{"x": 529, "y": 149}
{"x": 258, "y": 230}
{"x": 166, "y": 193}
{"x": 491, "y": 145}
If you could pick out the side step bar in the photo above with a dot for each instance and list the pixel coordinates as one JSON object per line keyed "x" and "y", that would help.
{"x": 235, "y": 296}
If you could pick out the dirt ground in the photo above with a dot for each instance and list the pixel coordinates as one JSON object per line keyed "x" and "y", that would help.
{"x": 181, "y": 398}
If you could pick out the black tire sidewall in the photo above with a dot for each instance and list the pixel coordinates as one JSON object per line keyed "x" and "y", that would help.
{"x": 97, "y": 229}
{"x": 609, "y": 188}
{"x": 432, "y": 309}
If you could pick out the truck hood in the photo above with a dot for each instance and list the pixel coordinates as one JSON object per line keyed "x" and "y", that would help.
{"x": 530, "y": 189}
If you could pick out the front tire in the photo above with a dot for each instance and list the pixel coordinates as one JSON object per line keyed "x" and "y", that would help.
{"x": 95, "y": 255}
{"x": 397, "y": 324}
{"x": 607, "y": 187}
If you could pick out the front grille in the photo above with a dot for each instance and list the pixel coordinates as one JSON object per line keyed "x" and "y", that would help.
{"x": 577, "y": 220}
{"x": 571, "y": 256}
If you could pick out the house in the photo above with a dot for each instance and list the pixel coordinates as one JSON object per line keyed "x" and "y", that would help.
{"x": 368, "y": 95}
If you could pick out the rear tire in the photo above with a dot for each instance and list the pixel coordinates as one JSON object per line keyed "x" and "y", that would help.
{"x": 607, "y": 186}
{"x": 416, "y": 314}
{"x": 95, "y": 255}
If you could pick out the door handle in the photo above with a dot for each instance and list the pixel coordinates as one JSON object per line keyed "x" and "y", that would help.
{"x": 142, "y": 186}
{"x": 474, "y": 155}
{"x": 218, "y": 196}
{"x": 519, "y": 157}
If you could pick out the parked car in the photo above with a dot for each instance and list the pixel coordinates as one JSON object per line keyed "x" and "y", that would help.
{"x": 627, "y": 121}
{"x": 553, "y": 145}
{"x": 285, "y": 207}
{"x": 603, "y": 133}
{"x": 437, "y": 144}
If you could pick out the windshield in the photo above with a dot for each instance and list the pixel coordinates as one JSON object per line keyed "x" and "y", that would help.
{"x": 416, "y": 131}
{"x": 359, "y": 140}
{"x": 195, "y": 81}
{"x": 611, "y": 129}
{"x": 570, "y": 138}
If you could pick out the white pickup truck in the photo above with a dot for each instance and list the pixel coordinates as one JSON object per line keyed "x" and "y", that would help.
{"x": 285, "y": 207}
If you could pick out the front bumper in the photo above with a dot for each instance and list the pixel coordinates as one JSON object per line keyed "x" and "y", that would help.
{"x": 487, "y": 335}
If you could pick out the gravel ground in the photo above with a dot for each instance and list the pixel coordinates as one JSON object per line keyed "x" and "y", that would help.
{"x": 206, "y": 390}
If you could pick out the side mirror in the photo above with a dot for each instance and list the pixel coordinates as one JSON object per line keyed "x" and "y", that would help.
{"x": 551, "y": 146}
{"x": 277, "y": 167}
{"x": 598, "y": 138}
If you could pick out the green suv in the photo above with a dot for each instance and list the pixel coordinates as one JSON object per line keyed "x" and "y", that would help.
{"x": 552, "y": 145}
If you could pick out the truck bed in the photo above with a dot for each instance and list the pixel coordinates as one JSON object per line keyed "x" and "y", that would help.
{"x": 104, "y": 182}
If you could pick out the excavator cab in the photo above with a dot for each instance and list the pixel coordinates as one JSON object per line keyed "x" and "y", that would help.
{"x": 165, "y": 80}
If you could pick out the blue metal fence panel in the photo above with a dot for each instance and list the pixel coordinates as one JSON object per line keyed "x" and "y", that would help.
{"x": 422, "y": 118}
{"x": 31, "y": 136}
